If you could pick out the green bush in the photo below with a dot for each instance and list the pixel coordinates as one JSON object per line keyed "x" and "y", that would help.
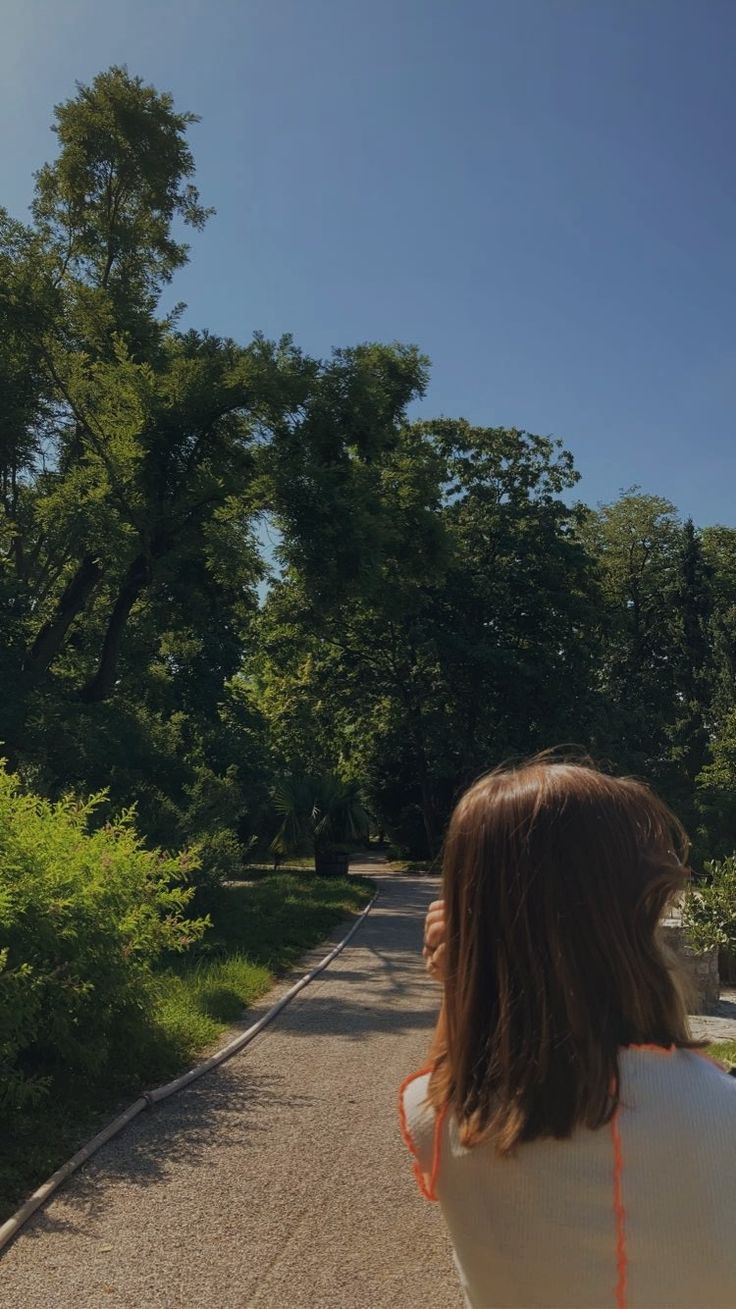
{"x": 219, "y": 857}
{"x": 84, "y": 916}
{"x": 709, "y": 911}
{"x": 212, "y": 807}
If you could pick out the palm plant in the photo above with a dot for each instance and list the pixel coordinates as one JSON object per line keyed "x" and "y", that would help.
{"x": 322, "y": 814}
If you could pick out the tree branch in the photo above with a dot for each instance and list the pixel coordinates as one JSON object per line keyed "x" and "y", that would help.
{"x": 73, "y": 600}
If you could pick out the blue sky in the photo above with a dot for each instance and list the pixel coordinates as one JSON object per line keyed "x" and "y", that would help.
{"x": 540, "y": 193}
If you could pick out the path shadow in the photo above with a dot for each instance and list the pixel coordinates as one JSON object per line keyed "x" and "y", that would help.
{"x": 353, "y": 1021}
{"x": 226, "y": 1104}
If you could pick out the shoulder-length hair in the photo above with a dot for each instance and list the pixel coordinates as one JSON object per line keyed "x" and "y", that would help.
{"x": 555, "y": 878}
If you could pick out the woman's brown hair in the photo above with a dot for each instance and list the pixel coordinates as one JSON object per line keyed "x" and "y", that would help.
{"x": 555, "y": 878}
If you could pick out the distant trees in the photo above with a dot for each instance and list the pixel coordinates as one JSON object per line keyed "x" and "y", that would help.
{"x": 470, "y": 642}
{"x": 439, "y": 603}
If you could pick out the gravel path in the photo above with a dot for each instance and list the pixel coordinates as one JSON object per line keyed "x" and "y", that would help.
{"x": 720, "y": 1024}
{"x": 278, "y": 1181}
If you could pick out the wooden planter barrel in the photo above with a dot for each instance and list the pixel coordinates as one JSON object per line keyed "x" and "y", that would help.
{"x": 332, "y": 863}
{"x": 727, "y": 966}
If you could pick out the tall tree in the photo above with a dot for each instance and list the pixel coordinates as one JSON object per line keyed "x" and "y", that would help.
{"x": 716, "y": 782}
{"x": 105, "y": 208}
{"x": 694, "y": 605}
{"x": 635, "y": 543}
{"x": 470, "y": 643}
{"x": 80, "y": 292}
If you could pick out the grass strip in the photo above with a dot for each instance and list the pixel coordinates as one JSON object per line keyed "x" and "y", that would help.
{"x": 724, "y": 1051}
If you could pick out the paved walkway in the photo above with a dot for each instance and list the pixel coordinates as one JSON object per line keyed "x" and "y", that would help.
{"x": 720, "y": 1024}
{"x": 278, "y": 1181}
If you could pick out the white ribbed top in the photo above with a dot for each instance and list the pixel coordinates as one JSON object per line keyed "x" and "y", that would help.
{"x": 559, "y": 1226}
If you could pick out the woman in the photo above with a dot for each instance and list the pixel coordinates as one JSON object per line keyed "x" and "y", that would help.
{"x": 582, "y": 1149}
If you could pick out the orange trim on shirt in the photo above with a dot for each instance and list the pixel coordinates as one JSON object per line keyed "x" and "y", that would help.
{"x": 654, "y": 1049}
{"x": 619, "y": 1213}
{"x": 672, "y": 1049}
{"x": 427, "y": 1183}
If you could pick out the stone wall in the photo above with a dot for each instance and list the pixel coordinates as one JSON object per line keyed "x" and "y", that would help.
{"x": 699, "y": 970}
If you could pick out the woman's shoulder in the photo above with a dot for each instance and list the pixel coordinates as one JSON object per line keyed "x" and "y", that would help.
{"x": 678, "y": 1077}
{"x": 676, "y": 1061}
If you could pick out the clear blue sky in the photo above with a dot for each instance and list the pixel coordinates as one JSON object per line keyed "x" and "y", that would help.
{"x": 540, "y": 193}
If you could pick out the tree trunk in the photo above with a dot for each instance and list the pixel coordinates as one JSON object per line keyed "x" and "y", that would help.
{"x": 428, "y": 815}
{"x": 137, "y": 578}
{"x": 427, "y": 799}
{"x": 73, "y": 600}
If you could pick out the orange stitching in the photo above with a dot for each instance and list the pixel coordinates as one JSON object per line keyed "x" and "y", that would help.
{"x": 436, "y": 1152}
{"x": 655, "y": 1049}
{"x": 671, "y": 1049}
{"x": 619, "y": 1213}
{"x": 427, "y": 1189}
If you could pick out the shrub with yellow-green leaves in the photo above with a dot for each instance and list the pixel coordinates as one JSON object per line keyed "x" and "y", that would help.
{"x": 85, "y": 913}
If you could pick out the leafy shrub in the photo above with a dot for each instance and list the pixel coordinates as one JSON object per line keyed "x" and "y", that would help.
{"x": 84, "y": 915}
{"x": 219, "y": 856}
{"x": 709, "y": 911}
{"x": 213, "y": 805}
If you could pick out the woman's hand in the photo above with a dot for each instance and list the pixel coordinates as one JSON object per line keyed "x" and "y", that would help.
{"x": 434, "y": 940}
